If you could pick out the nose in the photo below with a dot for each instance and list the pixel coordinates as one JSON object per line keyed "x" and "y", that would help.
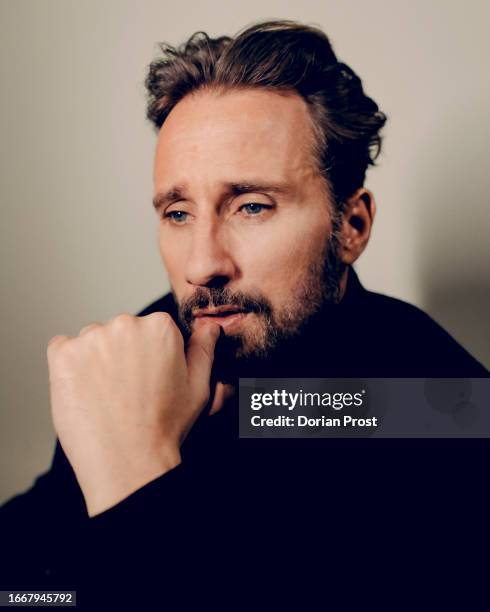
{"x": 210, "y": 262}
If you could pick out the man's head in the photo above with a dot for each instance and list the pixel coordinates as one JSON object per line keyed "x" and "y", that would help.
{"x": 263, "y": 145}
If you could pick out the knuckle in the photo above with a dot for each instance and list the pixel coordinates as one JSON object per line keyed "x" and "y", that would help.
{"x": 163, "y": 323}
{"x": 205, "y": 352}
{"x": 89, "y": 327}
{"x": 122, "y": 320}
{"x": 54, "y": 344}
{"x": 160, "y": 318}
{"x": 58, "y": 350}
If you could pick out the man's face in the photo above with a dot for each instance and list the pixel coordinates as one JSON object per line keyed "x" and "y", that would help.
{"x": 246, "y": 219}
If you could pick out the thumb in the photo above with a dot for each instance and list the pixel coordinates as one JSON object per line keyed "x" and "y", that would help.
{"x": 200, "y": 356}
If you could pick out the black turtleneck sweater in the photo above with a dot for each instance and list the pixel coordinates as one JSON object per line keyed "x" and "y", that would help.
{"x": 271, "y": 518}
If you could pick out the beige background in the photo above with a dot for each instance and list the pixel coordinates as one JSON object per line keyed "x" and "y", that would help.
{"x": 78, "y": 231}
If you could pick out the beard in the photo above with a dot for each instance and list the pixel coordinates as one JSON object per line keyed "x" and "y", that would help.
{"x": 249, "y": 353}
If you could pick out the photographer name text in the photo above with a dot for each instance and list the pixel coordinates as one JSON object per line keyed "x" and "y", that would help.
{"x": 293, "y": 401}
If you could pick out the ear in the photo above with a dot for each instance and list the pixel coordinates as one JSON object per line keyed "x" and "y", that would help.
{"x": 357, "y": 221}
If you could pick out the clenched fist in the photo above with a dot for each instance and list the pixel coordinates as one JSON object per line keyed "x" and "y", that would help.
{"x": 124, "y": 395}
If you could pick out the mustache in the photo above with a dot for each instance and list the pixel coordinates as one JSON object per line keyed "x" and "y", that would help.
{"x": 222, "y": 296}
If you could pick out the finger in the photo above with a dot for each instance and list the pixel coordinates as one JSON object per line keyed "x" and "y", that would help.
{"x": 53, "y": 344}
{"x": 88, "y": 327}
{"x": 200, "y": 356}
{"x": 163, "y": 322}
{"x": 221, "y": 394}
{"x": 55, "y": 341}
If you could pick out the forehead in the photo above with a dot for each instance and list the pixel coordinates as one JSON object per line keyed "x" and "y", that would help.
{"x": 232, "y": 135}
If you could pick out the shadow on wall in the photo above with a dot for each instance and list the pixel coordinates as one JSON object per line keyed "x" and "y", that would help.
{"x": 453, "y": 254}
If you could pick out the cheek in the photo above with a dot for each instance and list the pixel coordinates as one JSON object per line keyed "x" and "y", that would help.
{"x": 282, "y": 254}
{"x": 172, "y": 254}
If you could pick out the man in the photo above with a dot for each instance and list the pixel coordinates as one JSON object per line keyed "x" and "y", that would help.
{"x": 263, "y": 144}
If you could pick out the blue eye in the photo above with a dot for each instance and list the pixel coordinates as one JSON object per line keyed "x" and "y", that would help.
{"x": 177, "y": 216}
{"x": 254, "y": 208}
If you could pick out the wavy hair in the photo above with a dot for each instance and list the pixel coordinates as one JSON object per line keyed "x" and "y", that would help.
{"x": 285, "y": 56}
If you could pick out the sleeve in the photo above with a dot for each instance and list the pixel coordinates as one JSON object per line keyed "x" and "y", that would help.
{"x": 36, "y": 525}
{"x": 48, "y": 540}
{"x": 145, "y": 501}
{"x": 138, "y": 547}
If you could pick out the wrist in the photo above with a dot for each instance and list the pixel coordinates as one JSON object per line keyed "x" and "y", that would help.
{"x": 112, "y": 488}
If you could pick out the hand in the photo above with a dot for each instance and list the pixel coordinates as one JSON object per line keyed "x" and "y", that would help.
{"x": 222, "y": 393}
{"x": 124, "y": 395}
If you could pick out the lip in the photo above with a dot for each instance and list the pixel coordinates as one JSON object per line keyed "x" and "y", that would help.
{"x": 227, "y": 322}
{"x": 215, "y": 312}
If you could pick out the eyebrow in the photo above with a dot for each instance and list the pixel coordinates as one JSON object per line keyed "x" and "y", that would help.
{"x": 229, "y": 189}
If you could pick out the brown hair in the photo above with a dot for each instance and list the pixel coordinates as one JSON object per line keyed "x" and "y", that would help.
{"x": 284, "y": 56}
